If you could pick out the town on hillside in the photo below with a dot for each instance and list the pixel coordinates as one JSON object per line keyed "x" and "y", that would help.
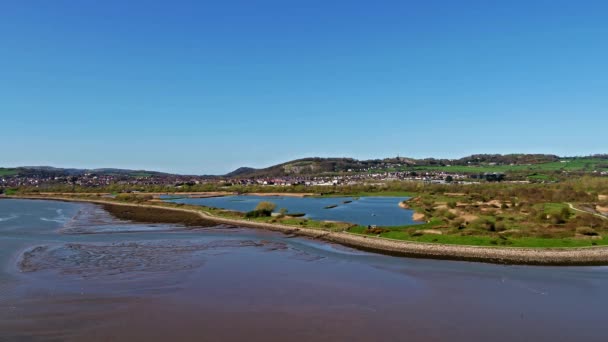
{"x": 518, "y": 168}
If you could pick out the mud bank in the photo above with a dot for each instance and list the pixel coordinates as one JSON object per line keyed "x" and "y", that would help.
{"x": 500, "y": 255}
{"x": 150, "y": 214}
{"x": 96, "y": 260}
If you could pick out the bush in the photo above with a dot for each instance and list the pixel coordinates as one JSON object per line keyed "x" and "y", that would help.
{"x": 258, "y": 213}
{"x": 282, "y": 212}
{"x": 266, "y": 206}
{"x": 458, "y": 223}
{"x": 561, "y": 217}
{"x": 566, "y": 213}
{"x": 485, "y": 224}
{"x": 376, "y": 231}
{"x": 586, "y": 231}
{"x": 500, "y": 226}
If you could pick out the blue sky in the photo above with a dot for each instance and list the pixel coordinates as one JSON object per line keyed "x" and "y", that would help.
{"x": 204, "y": 87}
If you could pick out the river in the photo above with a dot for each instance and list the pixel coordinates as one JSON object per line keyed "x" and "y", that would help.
{"x": 70, "y": 271}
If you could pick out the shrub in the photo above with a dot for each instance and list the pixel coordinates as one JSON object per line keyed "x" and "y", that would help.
{"x": 258, "y": 213}
{"x": 566, "y": 213}
{"x": 586, "y": 231}
{"x": 458, "y": 223}
{"x": 485, "y": 224}
{"x": 561, "y": 217}
{"x": 282, "y": 212}
{"x": 450, "y": 215}
{"x": 500, "y": 226}
{"x": 376, "y": 231}
{"x": 266, "y": 206}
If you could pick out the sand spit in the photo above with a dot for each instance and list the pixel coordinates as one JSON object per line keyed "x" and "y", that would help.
{"x": 500, "y": 255}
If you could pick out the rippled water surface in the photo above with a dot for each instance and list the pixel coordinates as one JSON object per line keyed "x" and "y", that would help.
{"x": 382, "y": 211}
{"x": 72, "y": 272}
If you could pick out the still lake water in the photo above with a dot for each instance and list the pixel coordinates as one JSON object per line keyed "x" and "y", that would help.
{"x": 381, "y": 211}
{"x": 71, "y": 272}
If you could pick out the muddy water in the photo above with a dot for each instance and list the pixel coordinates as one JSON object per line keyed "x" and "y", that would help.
{"x": 72, "y": 272}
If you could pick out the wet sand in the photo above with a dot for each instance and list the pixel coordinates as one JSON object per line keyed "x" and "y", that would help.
{"x": 227, "y": 283}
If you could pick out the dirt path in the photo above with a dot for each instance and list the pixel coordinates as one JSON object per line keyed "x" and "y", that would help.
{"x": 586, "y": 212}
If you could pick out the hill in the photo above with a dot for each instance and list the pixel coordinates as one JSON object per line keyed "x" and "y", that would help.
{"x": 64, "y": 172}
{"x": 305, "y": 166}
{"x": 308, "y": 167}
{"x": 478, "y": 163}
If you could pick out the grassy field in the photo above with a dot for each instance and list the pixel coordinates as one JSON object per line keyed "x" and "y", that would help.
{"x": 580, "y": 164}
{"x": 7, "y": 172}
{"x": 478, "y": 219}
{"x": 472, "y": 240}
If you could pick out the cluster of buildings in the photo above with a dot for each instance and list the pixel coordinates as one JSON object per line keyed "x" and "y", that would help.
{"x": 352, "y": 179}
{"x": 179, "y": 181}
{"x": 97, "y": 180}
{"x": 104, "y": 180}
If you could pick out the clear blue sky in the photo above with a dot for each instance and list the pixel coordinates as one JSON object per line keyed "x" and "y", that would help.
{"x": 207, "y": 86}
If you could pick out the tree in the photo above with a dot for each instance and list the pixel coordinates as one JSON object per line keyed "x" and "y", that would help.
{"x": 263, "y": 209}
{"x": 282, "y": 212}
{"x": 265, "y": 206}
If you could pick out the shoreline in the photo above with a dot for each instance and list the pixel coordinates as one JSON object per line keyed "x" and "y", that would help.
{"x": 575, "y": 256}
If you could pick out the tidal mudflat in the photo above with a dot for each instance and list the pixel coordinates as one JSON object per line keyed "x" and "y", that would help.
{"x": 72, "y": 271}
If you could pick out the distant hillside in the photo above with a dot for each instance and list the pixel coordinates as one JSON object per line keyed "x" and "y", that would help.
{"x": 64, "y": 172}
{"x": 241, "y": 171}
{"x": 469, "y": 164}
{"x": 306, "y": 166}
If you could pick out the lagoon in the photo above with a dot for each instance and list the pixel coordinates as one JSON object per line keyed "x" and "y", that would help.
{"x": 380, "y": 211}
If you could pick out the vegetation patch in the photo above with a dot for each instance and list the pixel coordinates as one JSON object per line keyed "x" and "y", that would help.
{"x": 263, "y": 209}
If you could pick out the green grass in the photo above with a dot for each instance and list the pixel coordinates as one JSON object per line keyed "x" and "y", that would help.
{"x": 372, "y": 194}
{"x": 140, "y": 174}
{"x": 10, "y": 192}
{"x": 8, "y": 172}
{"x": 581, "y": 164}
{"x": 552, "y": 208}
{"x": 489, "y": 241}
